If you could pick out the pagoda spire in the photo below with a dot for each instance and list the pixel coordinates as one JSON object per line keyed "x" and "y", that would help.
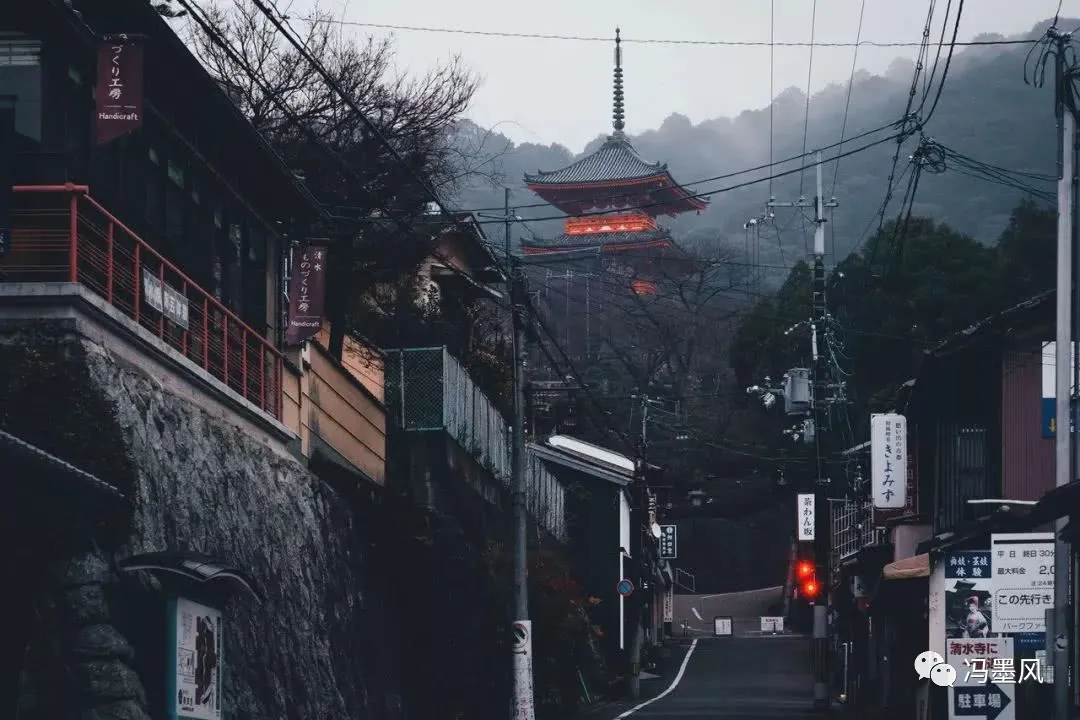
{"x": 617, "y": 106}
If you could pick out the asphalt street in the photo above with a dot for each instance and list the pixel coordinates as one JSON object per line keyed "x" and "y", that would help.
{"x": 751, "y": 676}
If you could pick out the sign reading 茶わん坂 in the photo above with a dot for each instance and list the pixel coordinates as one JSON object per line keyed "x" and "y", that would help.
{"x": 805, "y": 517}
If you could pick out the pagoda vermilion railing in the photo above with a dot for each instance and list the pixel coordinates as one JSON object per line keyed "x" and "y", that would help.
{"x": 61, "y": 234}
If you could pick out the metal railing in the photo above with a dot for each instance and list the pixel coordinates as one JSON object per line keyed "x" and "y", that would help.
{"x": 61, "y": 234}
{"x": 427, "y": 389}
{"x": 852, "y": 527}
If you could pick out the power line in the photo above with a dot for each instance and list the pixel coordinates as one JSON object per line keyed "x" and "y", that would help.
{"x": 718, "y": 190}
{"x": 806, "y": 117}
{"x": 847, "y": 102}
{"x": 622, "y": 195}
{"x": 647, "y": 41}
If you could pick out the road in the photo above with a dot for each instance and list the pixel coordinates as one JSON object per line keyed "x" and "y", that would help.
{"x": 749, "y": 676}
{"x": 696, "y": 612}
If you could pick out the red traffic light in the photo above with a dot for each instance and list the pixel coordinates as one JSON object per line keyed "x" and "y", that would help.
{"x": 809, "y": 589}
{"x": 804, "y": 569}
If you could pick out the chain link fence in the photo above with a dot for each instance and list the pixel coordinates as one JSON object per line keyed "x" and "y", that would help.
{"x": 427, "y": 389}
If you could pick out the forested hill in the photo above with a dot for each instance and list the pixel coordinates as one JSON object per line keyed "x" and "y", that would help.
{"x": 987, "y": 113}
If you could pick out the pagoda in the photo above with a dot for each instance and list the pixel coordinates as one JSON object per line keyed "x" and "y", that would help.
{"x": 612, "y": 199}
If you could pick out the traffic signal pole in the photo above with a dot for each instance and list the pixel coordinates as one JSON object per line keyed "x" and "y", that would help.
{"x": 819, "y": 383}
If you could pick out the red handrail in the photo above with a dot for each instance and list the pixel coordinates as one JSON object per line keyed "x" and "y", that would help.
{"x": 89, "y": 247}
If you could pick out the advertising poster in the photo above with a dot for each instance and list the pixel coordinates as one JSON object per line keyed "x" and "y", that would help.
{"x": 969, "y": 595}
{"x": 195, "y": 682}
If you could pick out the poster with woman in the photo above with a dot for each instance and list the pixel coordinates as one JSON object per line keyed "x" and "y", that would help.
{"x": 969, "y": 595}
{"x": 196, "y": 680}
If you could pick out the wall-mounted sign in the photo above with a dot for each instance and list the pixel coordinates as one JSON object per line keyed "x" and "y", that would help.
{"x": 1049, "y": 388}
{"x": 772, "y": 623}
{"x": 669, "y": 549}
{"x": 669, "y": 605}
{"x": 1023, "y": 581}
{"x": 888, "y": 460}
{"x": 164, "y": 298}
{"x": 805, "y": 518}
{"x": 195, "y": 645}
{"x": 722, "y": 626}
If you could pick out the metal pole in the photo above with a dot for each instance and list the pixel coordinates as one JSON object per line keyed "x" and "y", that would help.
{"x": 637, "y": 520}
{"x": 822, "y": 511}
{"x": 1059, "y": 639}
{"x": 522, "y": 707}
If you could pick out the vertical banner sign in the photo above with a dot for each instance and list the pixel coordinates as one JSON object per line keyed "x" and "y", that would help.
{"x": 669, "y": 536}
{"x": 522, "y": 698}
{"x": 669, "y": 605}
{"x": 307, "y": 293}
{"x": 1023, "y": 583}
{"x": 888, "y": 460}
{"x": 194, "y": 681}
{"x": 119, "y": 94}
{"x": 805, "y": 517}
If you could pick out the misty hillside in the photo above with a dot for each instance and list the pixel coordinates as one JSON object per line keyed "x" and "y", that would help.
{"x": 987, "y": 112}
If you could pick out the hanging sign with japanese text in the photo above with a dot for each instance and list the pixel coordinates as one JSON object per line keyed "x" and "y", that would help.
{"x": 1023, "y": 582}
{"x": 669, "y": 546}
{"x": 307, "y": 293}
{"x": 119, "y": 92}
{"x": 888, "y": 460}
{"x": 805, "y": 517}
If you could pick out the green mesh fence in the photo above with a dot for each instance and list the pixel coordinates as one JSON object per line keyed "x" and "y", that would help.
{"x": 414, "y": 388}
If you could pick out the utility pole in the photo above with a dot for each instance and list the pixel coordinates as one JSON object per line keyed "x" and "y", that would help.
{"x": 1058, "y": 620}
{"x": 638, "y": 514}
{"x": 819, "y": 383}
{"x": 523, "y": 707}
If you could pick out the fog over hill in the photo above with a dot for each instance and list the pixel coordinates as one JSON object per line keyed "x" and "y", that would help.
{"x": 987, "y": 112}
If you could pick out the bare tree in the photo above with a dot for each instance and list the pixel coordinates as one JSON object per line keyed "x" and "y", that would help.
{"x": 370, "y": 144}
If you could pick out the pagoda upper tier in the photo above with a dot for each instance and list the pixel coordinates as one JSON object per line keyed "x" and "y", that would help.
{"x": 614, "y": 177}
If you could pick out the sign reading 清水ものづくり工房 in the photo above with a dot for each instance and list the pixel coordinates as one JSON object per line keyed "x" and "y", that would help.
{"x": 888, "y": 460}
{"x": 195, "y": 680}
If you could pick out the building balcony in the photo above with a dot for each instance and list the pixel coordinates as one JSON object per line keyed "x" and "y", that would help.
{"x": 853, "y": 527}
{"x": 64, "y": 244}
{"x": 427, "y": 390}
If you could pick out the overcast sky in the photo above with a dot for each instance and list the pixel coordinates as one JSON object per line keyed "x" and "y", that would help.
{"x": 550, "y": 90}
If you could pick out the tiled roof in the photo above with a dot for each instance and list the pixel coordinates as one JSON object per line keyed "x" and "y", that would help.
{"x": 616, "y": 159}
{"x": 598, "y": 239}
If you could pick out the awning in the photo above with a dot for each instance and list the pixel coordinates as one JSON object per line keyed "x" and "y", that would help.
{"x": 908, "y": 568}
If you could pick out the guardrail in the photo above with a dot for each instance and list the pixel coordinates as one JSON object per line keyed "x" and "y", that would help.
{"x": 61, "y": 234}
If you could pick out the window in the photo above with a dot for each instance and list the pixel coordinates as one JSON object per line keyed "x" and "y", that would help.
{"x": 175, "y": 201}
{"x": 20, "y": 75}
{"x": 155, "y": 192}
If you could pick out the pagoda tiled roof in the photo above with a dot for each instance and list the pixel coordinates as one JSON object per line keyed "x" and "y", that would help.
{"x": 598, "y": 240}
{"x": 615, "y": 160}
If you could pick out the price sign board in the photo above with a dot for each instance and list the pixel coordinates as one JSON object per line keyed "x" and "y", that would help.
{"x": 1023, "y": 584}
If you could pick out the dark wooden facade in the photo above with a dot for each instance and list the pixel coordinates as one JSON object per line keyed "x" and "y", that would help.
{"x": 196, "y": 182}
{"x": 974, "y": 413}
